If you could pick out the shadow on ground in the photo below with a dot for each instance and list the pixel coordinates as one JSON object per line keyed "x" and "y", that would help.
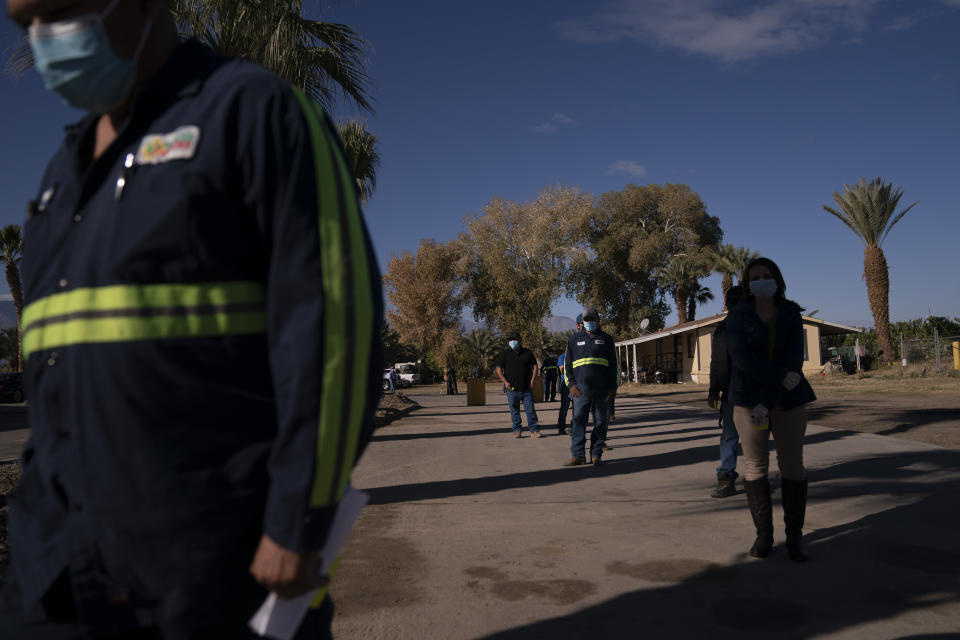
{"x": 900, "y": 564}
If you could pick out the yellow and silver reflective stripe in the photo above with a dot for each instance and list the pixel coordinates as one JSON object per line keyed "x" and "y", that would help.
{"x": 119, "y": 313}
{"x": 348, "y": 323}
{"x": 582, "y": 361}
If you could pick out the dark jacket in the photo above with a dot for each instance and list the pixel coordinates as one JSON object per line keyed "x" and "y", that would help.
{"x": 549, "y": 368}
{"x": 202, "y": 343}
{"x": 756, "y": 378}
{"x": 590, "y": 363}
{"x": 720, "y": 364}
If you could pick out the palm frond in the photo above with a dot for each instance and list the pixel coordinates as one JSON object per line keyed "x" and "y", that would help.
{"x": 867, "y": 208}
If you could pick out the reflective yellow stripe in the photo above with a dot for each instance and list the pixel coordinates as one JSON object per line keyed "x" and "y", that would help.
{"x": 347, "y": 299}
{"x": 582, "y": 361}
{"x": 119, "y": 313}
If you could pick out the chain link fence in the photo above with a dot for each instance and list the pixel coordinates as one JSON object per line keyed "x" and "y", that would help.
{"x": 934, "y": 354}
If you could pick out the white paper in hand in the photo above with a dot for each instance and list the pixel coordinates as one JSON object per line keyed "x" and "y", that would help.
{"x": 278, "y": 618}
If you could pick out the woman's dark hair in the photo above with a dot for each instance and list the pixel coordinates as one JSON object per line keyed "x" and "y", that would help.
{"x": 774, "y": 269}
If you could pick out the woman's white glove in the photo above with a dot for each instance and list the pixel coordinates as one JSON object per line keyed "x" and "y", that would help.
{"x": 791, "y": 380}
{"x": 760, "y": 416}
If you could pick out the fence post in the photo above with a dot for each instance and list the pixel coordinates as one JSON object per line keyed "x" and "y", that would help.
{"x": 903, "y": 356}
{"x": 856, "y": 351}
{"x": 936, "y": 345}
{"x": 956, "y": 356}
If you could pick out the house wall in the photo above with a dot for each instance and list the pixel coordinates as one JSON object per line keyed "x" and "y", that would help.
{"x": 696, "y": 370}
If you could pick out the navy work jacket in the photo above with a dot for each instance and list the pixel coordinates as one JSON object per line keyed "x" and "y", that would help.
{"x": 549, "y": 368}
{"x": 590, "y": 363}
{"x": 756, "y": 378}
{"x": 201, "y": 328}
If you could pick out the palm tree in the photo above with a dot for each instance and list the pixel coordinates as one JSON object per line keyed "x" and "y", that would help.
{"x": 360, "y": 146}
{"x": 731, "y": 260}
{"x": 700, "y": 295}
{"x": 868, "y": 210}
{"x": 482, "y": 347}
{"x": 322, "y": 58}
{"x": 11, "y": 248}
{"x": 679, "y": 278}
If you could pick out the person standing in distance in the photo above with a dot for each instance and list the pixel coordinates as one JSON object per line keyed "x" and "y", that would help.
{"x": 517, "y": 369}
{"x": 718, "y": 397}
{"x": 770, "y": 394}
{"x": 590, "y": 366}
{"x": 549, "y": 370}
{"x": 201, "y": 333}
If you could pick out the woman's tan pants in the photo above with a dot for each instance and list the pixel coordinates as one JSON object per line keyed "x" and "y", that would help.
{"x": 788, "y": 428}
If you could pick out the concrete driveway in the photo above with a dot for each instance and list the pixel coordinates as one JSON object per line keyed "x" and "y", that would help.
{"x": 471, "y": 533}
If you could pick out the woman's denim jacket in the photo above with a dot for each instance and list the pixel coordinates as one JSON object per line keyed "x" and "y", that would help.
{"x": 755, "y": 378}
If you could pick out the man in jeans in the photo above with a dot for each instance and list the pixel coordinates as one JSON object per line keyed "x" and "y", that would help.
{"x": 718, "y": 398}
{"x": 517, "y": 369}
{"x": 590, "y": 367}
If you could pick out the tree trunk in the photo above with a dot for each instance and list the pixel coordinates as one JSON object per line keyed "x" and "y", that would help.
{"x": 692, "y": 309}
{"x": 13, "y": 281}
{"x": 680, "y": 300}
{"x": 878, "y": 293}
{"x": 725, "y": 285}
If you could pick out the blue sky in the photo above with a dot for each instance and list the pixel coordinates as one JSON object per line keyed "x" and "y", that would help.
{"x": 763, "y": 108}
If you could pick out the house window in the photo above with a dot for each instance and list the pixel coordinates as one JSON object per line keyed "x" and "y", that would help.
{"x": 806, "y": 354}
{"x": 690, "y": 345}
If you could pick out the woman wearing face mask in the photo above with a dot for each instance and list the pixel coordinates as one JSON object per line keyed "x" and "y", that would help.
{"x": 769, "y": 394}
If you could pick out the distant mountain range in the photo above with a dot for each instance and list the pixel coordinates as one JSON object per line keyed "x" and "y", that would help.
{"x": 553, "y": 323}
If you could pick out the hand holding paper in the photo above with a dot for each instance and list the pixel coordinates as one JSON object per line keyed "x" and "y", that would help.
{"x": 279, "y": 618}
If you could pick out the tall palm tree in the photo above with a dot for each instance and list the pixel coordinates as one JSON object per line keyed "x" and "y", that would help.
{"x": 11, "y": 249}
{"x": 700, "y": 295}
{"x": 867, "y": 208}
{"x": 679, "y": 278}
{"x": 731, "y": 260}
{"x": 361, "y": 149}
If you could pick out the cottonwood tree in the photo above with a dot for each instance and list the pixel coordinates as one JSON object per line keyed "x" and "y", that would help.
{"x": 514, "y": 259}
{"x": 424, "y": 292}
{"x": 627, "y": 239}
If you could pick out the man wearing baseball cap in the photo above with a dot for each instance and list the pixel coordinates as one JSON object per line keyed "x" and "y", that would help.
{"x": 590, "y": 368}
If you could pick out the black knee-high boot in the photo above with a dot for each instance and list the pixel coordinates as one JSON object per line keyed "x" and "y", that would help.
{"x": 758, "y": 497}
{"x": 794, "y": 510}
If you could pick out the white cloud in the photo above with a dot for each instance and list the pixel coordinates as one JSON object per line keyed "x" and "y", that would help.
{"x": 554, "y": 124}
{"x": 629, "y": 167}
{"x": 730, "y": 30}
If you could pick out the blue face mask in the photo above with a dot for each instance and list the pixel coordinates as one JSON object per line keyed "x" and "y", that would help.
{"x": 514, "y": 344}
{"x": 590, "y": 325}
{"x": 76, "y": 62}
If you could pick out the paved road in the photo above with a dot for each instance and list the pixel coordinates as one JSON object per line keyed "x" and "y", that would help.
{"x": 471, "y": 533}
{"x": 13, "y": 430}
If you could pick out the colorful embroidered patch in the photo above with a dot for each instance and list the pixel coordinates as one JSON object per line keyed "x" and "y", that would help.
{"x": 180, "y": 144}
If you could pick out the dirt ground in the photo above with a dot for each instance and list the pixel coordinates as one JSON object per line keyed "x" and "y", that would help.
{"x": 923, "y": 409}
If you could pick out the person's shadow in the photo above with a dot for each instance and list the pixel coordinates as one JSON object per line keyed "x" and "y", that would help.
{"x": 899, "y": 567}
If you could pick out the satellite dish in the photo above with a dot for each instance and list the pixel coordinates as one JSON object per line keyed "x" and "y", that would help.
{"x": 644, "y": 324}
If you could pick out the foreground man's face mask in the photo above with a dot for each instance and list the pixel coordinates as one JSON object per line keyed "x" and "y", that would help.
{"x": 76, "y": 61}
